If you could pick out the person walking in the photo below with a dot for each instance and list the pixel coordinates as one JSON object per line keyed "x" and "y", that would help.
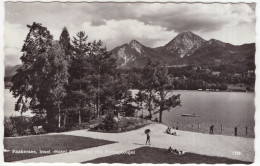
{"x": 211, "y": 129}
{"x": 147, "y": 132}
{"x": 235, "y": 131}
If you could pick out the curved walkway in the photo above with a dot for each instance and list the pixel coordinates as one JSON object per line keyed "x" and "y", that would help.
{"x": 212, "y": 145}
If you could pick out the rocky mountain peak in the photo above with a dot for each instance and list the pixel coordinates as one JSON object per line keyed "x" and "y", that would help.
{"x": 185, "y": 48}
{"x": 214, "y": 42}
{"x": 135, "y": 43}
{"x": 137, "y": 46}
{"x": 183, "y": 43}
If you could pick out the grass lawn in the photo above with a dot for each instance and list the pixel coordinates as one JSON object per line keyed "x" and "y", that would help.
{"x": 158, "y": 156}
{"x": 47, "y": 143}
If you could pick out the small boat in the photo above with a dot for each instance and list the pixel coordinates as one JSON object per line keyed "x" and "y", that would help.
{"x": 190, "y": 115}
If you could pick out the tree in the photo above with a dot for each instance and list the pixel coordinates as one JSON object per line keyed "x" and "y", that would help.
{"x": 79, "y": 67}
{"x": 163, "y": 87}
{"x": 102, "y": 78}
{"x": 156, "y": 90}
{"x": 58, "y": 77}
{"x": 93, "y": 75}
{"x": 68, "y": 49}
{"x": 39, "y": 83}
{"x": 148, "y": 86}
{"x": 65, "y": 42}
{"x": 139, "y": 99}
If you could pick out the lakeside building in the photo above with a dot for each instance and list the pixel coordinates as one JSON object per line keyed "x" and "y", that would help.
{"x": 238, "y": 75}
{"x": 208, "y": 71}
{"x": 250, "y": 73}
{"x": 215, "y": 73}
{"x": 237, "y": 87}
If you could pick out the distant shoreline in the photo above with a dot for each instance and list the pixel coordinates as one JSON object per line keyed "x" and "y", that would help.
{"x": 186, "y": 90}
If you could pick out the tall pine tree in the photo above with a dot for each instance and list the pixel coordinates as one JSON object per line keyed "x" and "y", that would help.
{"x": 101, "y": 78}
{"x": 39, "y": 83}
{"x": 65, "y": 44}
{"x": 79, "y": 67}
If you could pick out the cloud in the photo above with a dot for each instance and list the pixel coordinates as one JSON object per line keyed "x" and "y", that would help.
{"x": 153, "y": 24}
{"x": 173, "y": 16}
{"x": 14, "y": 35}
{"x": 198, "y": 17}
{"x": 97, "y": 22}
{"x": 115, "y": 33}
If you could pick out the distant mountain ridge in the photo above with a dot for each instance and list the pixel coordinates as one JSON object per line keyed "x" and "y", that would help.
{"x": 185, "y": 48}
{"x": 132, "y": 54}
{"x": 11, "y": 70}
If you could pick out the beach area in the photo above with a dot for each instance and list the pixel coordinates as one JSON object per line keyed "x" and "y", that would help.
{"x": 230, "y": 147}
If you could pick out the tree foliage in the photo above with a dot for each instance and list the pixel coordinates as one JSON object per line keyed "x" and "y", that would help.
{"x": 39, "y": 83}
{"x": 67, "y": 78}
{"x": 157, "y": 90}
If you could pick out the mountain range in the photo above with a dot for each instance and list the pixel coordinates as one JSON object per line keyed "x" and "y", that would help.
{"x": 186, "y": 48}
{"x": 11, "y": 70}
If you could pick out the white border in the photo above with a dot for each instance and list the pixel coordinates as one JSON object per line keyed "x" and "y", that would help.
{"x": 257, "y": 60}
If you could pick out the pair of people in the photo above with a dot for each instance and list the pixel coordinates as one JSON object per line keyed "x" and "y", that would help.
{"x": 168, "y": 131}
{"x": 175, "y": 151}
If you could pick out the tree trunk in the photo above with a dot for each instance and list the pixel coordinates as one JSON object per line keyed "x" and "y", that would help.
{"x": 65, "y": 118}
{"x": 98, "y": 99}
{"x": 51, "y": 120}
{"x": 150, "y": 113}
{"x": 161, "y": 107}
{"x": 95, "y": 110}
{"x": 79, "y": 116}
{"x": 160, "y": 116}
{"x": 98, "y": 112}
{"x": 59, "y": 119}
{"x": 149, "y": 105}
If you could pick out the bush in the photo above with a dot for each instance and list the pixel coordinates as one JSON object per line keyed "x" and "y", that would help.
{"x": 9, "y": 128}
{"x": 39, "y": 120}
{"x": 61, "y": 129}
{"x": 108, "y": 123}
{"x": 22, "y": 124}
{"x": 38, "y": 130}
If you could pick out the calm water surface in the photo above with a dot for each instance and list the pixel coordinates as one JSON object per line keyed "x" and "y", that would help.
{"x": 228, "y": 109}
{"x": 9, "y": 103}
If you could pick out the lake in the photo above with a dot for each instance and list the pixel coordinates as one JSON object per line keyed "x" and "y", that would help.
{"x": 9, "y": 103}
{"x": 228, "y": 109}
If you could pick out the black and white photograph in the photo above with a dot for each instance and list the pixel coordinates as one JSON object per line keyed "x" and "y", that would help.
{"x": 129, "y": 82}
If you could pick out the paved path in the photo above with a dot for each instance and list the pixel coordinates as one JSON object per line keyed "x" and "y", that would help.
{"x": 213, "y": 145}
{"x": 205, "y": 144}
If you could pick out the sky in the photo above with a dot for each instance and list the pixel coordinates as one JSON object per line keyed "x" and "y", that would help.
{"x": 152, "y": 24}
